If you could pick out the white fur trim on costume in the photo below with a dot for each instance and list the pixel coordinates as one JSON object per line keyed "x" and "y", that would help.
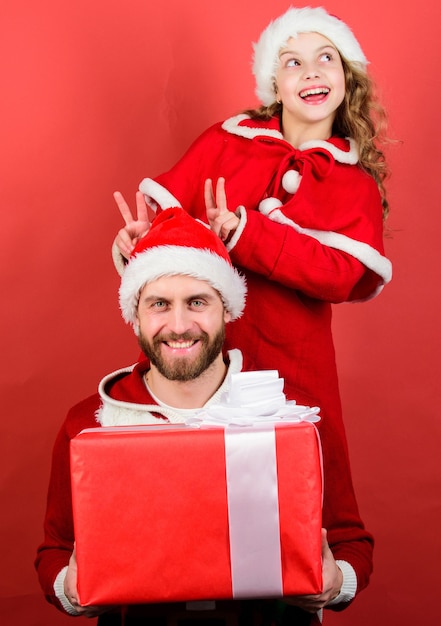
{"x": 233, "y": 126}
{"x": 268, "y": 205}
{"x": 291, "y": 24}
{"x": 239, "y": 230}
{"x": 365, "y": 253}
{"x": 119, "y": 413}
{"x": 157, "y": 196}
{"x": 291, "y": 181}
{"x": 199, "y": 263}
{"x": 349, "y": 157}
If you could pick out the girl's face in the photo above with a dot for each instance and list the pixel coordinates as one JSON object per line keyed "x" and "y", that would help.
{"x": 310, "y": 83}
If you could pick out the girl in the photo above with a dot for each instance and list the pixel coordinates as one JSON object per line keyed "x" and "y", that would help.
{"x": 307, "y": 177}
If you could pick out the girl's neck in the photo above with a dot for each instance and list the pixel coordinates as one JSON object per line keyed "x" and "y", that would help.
{"x": 297, "y": 133}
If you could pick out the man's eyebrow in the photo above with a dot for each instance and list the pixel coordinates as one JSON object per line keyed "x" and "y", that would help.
{"x": 152, "y": 298}
{"x": 203, "y": 295}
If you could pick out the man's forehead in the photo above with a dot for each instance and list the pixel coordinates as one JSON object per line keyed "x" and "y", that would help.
{"x": 179, "y": 285}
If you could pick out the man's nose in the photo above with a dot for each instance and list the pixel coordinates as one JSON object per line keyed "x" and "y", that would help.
{"x": 179, "y": 320}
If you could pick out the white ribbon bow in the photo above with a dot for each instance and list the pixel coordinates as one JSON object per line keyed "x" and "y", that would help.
{"x": 254, "y": 398}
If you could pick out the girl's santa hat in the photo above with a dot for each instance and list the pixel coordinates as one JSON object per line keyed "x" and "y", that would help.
{"x": 291, "y": 24}
{"x": 177, "y": 244}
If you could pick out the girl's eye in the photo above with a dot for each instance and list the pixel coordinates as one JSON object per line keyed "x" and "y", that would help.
{"x": 327, "y": 56}
{"x": 292, "y": 63}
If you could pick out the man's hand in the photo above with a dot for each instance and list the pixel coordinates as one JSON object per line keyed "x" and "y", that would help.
{"x": 135, "y": 229}
{"x": 222, "y": 221}
{"x": 71, "y": 593}
{"x": 332, "y": 582}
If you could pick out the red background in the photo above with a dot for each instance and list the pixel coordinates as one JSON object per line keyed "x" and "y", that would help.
{"x": 97, "y": 94}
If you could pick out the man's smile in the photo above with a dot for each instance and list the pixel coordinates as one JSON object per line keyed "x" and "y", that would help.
{"x": 180, "y": 345}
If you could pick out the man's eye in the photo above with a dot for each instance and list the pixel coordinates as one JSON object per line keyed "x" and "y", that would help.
{"x": 159, "y": 304}
{"x": 197, "y": 304}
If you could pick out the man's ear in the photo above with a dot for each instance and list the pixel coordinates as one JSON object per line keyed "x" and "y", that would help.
{"x": 227, "y": 316}
{"x": 136, "y": 324}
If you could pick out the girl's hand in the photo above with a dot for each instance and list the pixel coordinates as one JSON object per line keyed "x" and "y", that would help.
{"x": 222, "y": 221}
{"x": 135, "y": 229}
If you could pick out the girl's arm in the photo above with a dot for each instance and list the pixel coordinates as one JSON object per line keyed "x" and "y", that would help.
{"x": 342, "y": 260}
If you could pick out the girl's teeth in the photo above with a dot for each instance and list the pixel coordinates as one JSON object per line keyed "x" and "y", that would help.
{"x": 314, "y": 92}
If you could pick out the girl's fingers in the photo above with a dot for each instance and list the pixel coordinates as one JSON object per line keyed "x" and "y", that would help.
{"x": 221, "y": 197}
{"x": 141, "y": 208}
{"x": 210, "y": 202}
{"x": 123, "y": 207}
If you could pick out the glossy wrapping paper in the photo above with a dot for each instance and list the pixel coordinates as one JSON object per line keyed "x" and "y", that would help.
{"x": 171, "y": 513}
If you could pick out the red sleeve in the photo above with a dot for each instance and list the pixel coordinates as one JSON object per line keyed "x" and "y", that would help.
{"x": 54, "y": 552}
{"x": 295, "y": 260}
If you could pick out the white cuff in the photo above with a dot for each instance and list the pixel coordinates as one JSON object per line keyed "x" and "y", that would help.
{"x": 59, "y": 592}
{"x": 242, "y": 215}
{"x": 349, "y": 586}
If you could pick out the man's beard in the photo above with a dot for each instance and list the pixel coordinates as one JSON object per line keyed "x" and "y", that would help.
{"x": 184, "y": 368}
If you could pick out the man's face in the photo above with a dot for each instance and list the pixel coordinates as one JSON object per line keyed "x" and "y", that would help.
{"x": 181, "y": 326}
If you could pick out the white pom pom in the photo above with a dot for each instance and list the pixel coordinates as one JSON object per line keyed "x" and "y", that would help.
{"x": 268, "y": 205}
{"x": 291, "y": 181}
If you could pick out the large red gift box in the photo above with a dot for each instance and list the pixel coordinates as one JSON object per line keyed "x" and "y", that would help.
{"x": 177, "y": 513}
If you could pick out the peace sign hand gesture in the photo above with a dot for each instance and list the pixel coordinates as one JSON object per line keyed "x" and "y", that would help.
{"x": 222, "y": 221}
{"x": 134, "y": 229}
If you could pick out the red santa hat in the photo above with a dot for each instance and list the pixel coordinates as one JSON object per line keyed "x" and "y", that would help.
{"x": 177, "y": 244}
{"x": 291, "y": 24}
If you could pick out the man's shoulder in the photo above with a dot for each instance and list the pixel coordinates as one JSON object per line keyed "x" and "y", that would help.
{"x": 83, "y": 415}
{"x": 85, "y": 406}
{"x": 247, "y": 362}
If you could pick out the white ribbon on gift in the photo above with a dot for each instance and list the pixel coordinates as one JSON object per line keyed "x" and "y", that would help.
{"x": 253, "y": 399}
